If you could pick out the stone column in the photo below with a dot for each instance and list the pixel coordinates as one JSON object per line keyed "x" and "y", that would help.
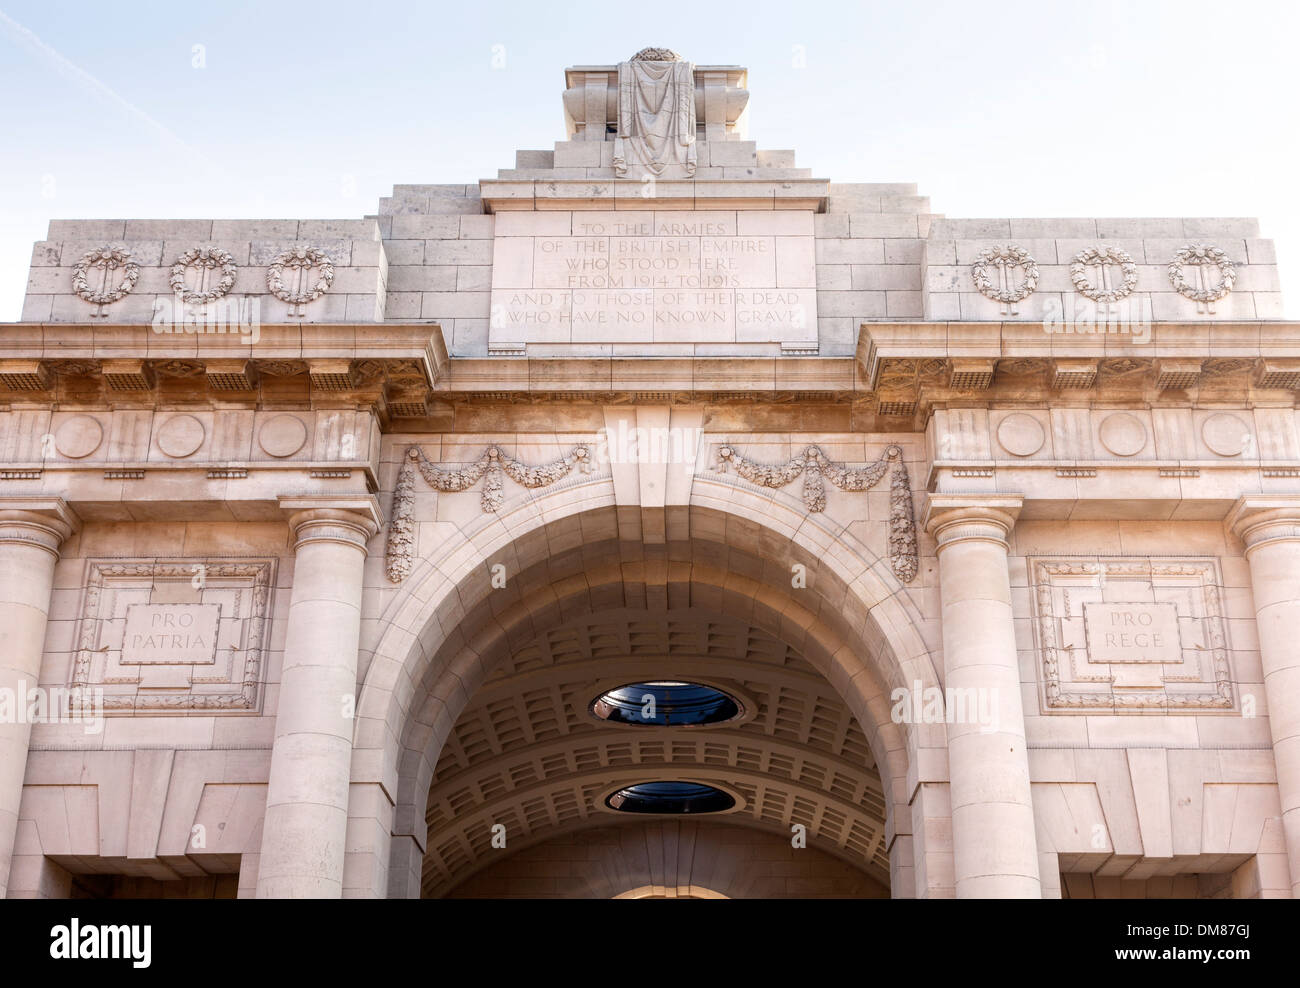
{"x": 31, "y": 531}
{"x": 1269, "y": 525}
{"x": 304, "y": 832}
{"x": 994, "y": 847}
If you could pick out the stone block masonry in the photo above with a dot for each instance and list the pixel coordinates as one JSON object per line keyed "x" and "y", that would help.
{"x": 655, "y": 405}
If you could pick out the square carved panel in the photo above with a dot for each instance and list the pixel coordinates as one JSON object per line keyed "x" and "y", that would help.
{"x": 174, "y": 636}
{"x": 1130, "y": 634}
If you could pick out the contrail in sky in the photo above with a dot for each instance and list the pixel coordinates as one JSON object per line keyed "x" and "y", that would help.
{"x": 86, "y": 81}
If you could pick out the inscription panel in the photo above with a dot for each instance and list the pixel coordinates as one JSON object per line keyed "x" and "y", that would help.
{"x": 1134, "y": 631}
{"x": 1130, "y": 634}
{"x": 171, "y": 636}
{"x": 644, "y": 277}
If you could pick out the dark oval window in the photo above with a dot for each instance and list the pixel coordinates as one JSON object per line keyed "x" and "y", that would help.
{"x": 665, "y": 704}
{"x": 670, "y": 797}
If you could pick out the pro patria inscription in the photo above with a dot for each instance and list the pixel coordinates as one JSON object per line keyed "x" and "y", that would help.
{"x": 653, "y": 277}
{"x": 1132, "y": 632}
{"x": 172, "y": 634}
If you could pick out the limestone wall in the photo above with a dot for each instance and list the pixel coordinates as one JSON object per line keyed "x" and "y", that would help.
{"x": 954, "y": 245}
{"x": 880, "y": 254}
{"x": 357, "y": 292}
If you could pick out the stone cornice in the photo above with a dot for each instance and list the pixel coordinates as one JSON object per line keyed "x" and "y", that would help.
{"x": 737, "y": 74}
{"x": 901, "y": 373}
{"x": 273, "y": 341}
{"x": 1247, "y": 338}
{"x": 392, "y": 368}
{"x": 608, "y": 193}
{"x": 910, "y": 369}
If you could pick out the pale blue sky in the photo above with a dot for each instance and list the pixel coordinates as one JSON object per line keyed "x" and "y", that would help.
{"x": 315, "y": 109}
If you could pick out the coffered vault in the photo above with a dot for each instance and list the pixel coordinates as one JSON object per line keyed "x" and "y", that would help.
{"x": 527, "y": 753}
{"x": 723, "y": 593}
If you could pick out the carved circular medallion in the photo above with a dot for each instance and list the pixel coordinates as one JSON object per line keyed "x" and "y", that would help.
{"x": 303, "y": 258}
{"x": 1021, "y": 435}
{"x": 1103, "y": 256}
{"x": 78, "y": 436}
{"x": 181, "y": 435}
{"x": 1123, "y": 434}
{"x": 1006, "y": 258}
{"x": 282, "y": 435}
{"x": 1202, "y": 255}
{"x": 1225, "y": 434}
{"x": 106, "y": 259}
{"x": 207, "y": 258}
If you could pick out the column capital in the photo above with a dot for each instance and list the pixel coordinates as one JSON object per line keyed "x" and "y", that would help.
{"x": 36, "y": 520}
{"x": 349, "y": 519}
{"x": 959, "y": 517}
{"x": 1260, "y": 518}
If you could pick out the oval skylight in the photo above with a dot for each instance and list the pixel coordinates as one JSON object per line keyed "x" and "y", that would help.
{"x": 666, "y": 703}
{"x": 670, "y": 797}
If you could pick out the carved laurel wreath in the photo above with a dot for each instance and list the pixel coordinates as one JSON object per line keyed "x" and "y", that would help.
{"x": 302, "y": 256}
{"x": 110, "y": 258}
{"x": 1202, "y": 254}
{"x": 1005, "y": 257}
{"x": 1103, "y": 255}
{"x": 208, "y": 257}
{"x": 813, "y": 465}
{"x": 656, "y": 55}
{"x": 490, "y": 467}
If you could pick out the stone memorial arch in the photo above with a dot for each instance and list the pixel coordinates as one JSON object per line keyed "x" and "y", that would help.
{"x": 716, "y": 584}
{"x": 653, "y": 519}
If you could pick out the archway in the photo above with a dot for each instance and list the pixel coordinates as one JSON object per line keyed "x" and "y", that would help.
{"x": 571, "y": 553}
{"x": 676, "y": 859}
{"x": 528, "y": 756}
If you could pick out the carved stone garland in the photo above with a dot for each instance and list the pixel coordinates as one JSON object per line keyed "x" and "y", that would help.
{"x": 1101, "y": 256}
{"x": 489, "y": 467}
{"x": 1202, "y": 256}
{"x": 207, "y": 258}
{"x": 1005, "y": 258}
{"x": 300, "y": 259}
{"x": 813, "y": 465}
{"x": 106, "y": 259}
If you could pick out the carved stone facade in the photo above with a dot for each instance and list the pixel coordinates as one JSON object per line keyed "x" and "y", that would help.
{"x": 812, "y": 465}
{"x": 175, "y": 636}
{"x": 339, "y": 528}
{"x": 1132, "y": 634}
